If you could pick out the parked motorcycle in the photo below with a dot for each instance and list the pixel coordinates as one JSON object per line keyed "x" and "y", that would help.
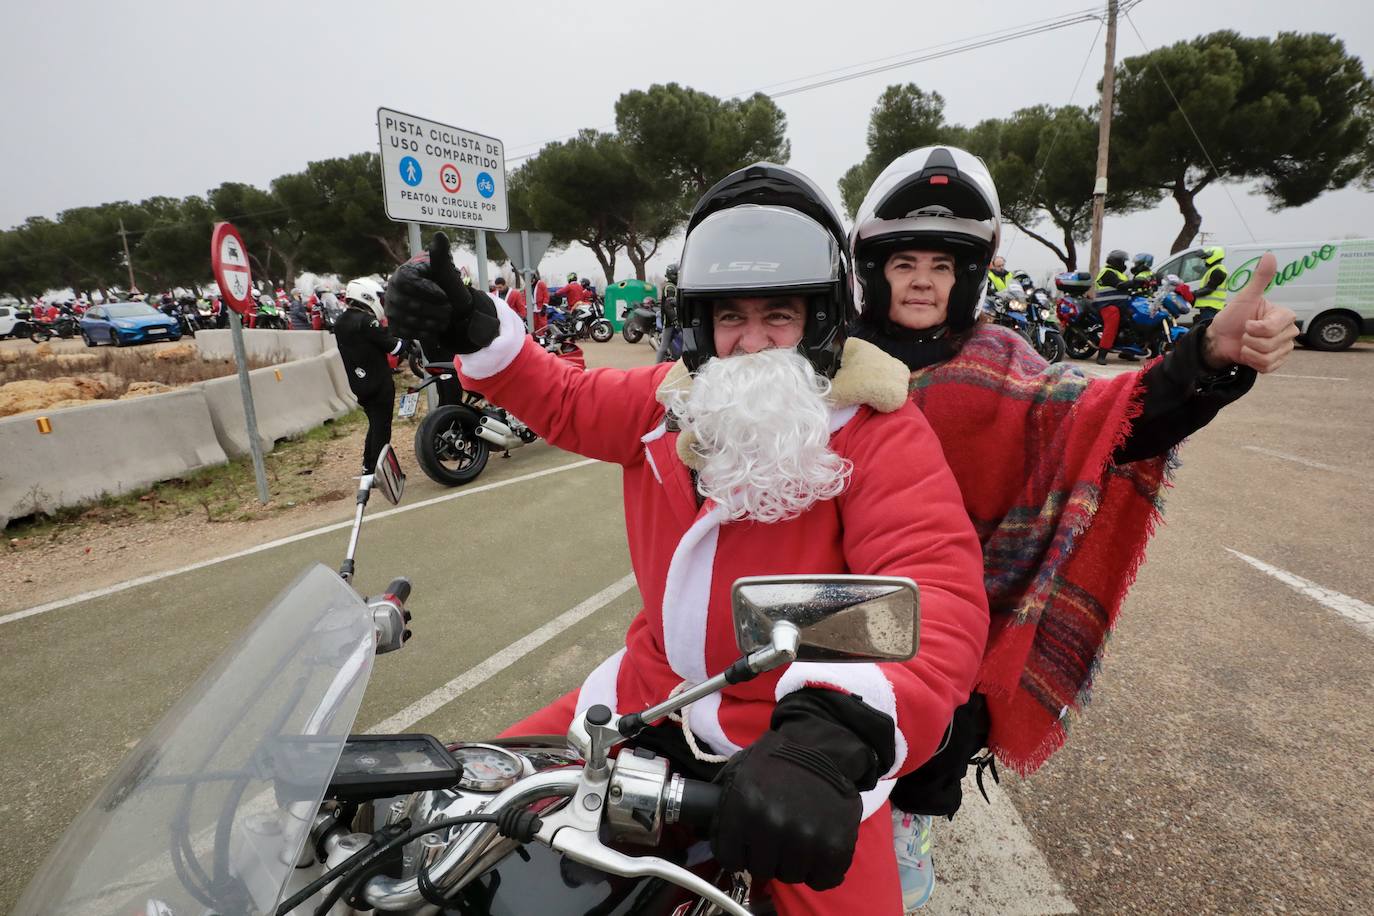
{"x": 64, "y": 326}
{"x": 252, "y": 796}
{"x": 579, "y": 323}
{"x": 642, "y": 319}
{"x": 1008, "y": 308}
{"x": 1042, "y": 328}
{"x": 454, "y": 440}
{"x": 270, "y": 316}
{"x": 1147, "y": 327}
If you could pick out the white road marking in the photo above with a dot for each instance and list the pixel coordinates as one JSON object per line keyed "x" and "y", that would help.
{"x": 1294, "y": 458}
{"x": 987, "y": 862}
{"x": 1319, "y": 378}
{"x": 155, "y": 577}
{"x": 1346, "y": 606}
{"x": 431, "y": 703}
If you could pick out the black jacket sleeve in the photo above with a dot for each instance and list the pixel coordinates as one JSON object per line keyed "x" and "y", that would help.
{"x": 1215, "y": 279}
{"x": 378, "y": 337}
{"x": 1181, "y": 396}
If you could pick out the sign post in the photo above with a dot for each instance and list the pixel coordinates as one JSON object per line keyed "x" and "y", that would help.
{"x": 229, "y": 260}
{"x": 524, "y": 249}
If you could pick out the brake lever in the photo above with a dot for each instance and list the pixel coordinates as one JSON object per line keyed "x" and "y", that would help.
{"x": 585, "y": 847}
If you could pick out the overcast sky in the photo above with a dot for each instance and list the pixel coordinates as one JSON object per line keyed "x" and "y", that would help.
{"x": 123, "y": 100}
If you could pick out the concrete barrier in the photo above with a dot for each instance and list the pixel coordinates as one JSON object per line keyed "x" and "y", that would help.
{"x": 106, "y": 447}
{"x": 277, "y": 346}
{"x": 289, "y": 399}
{"x": 339, "y": 375}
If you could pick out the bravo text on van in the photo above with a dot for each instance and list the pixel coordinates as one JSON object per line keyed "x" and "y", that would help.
{"x": 1329, "y": 284}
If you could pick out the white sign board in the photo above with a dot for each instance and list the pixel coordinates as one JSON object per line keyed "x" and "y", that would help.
{"x": 441, "y": 175}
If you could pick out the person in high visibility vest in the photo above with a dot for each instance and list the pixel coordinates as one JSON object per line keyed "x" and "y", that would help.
{"x": 1112, "y": 292}
{"x": 1142, "y": 268}
{"x": 998, "y": 276}
{"x": 1211, "y": 295}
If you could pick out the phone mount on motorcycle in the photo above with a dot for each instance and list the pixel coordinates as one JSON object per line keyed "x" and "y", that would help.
{"x": 388, "y": 478}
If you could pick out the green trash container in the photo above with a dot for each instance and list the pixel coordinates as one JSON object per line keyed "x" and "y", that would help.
{"x": 624, "y": 295}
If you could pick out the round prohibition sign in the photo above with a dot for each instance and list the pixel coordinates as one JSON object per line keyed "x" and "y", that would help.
{"x": 449, "y": 177}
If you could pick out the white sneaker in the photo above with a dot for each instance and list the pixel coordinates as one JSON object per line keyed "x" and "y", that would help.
{"x": 911, "y": 839}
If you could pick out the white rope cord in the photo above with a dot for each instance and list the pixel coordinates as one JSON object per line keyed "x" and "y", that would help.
{"x": 687, "y": 735}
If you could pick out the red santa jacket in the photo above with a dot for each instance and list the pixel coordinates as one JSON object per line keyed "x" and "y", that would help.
{"x": 574, "y": 291}
{"x": 901, "y": 515}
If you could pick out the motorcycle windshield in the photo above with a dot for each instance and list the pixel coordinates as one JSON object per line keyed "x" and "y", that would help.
{"x": 210, "y": 812}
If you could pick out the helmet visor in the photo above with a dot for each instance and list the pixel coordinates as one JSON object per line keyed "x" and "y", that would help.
{"x": 757, "y": 249}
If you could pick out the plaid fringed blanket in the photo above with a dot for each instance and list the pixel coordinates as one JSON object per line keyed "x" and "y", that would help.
{"x": 1063, "y": 529}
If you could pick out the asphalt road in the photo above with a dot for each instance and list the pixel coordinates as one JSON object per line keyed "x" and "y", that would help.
{"x": 1222, "y": 766}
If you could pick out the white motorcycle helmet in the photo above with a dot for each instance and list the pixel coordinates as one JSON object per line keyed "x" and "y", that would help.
{"x": 939, "y": 198}
{"x": 366, "y": 291}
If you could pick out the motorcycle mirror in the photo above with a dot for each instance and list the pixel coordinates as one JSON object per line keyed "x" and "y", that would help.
{"x": 840, "y": 618}
{"x": 389, "y": 478}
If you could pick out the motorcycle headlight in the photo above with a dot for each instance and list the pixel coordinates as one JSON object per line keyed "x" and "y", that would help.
{"x": 1017, "y": 305}
{"x": 1046, "y": 314}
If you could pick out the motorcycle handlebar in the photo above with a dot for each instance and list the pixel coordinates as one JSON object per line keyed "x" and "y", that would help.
{"x": 399, "y": 589}
{"x": 699, "y": 803}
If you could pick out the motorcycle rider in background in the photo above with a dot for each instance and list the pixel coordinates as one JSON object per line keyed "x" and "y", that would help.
{"x": 1112, "y": 296}
{"x": 1210, "y": 297}
{"x": 998, "y": 276}
{"x": 573, "y": 292}
{"x": 757, "y": 453}
{"x": 1143, "y": 267}
{"x": 670, "y": 336}
{"x": 364, "y": 345}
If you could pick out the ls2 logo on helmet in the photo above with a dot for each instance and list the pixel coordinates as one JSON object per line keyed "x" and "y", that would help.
{"x": 767, "y": 267}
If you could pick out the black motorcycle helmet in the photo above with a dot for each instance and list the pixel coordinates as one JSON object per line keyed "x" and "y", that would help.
{"x": 1116, "y": 259}
{"x": 766, "y": 230}
{"x": 671, "y": 273}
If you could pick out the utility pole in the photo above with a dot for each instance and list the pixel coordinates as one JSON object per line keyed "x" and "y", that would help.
{"x": 1104, "y": 131}
{"x": 128, "y": 261}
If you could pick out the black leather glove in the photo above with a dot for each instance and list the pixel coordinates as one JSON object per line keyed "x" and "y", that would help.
{"x": 427, "y": 300}
{"x": 789, "y": 808}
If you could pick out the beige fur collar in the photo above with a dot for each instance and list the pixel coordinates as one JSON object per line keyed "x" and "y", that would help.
{"x": 867, "y": 375}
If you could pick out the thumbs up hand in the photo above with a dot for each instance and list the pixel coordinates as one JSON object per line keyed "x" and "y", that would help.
{"x": 1251, "y": 330}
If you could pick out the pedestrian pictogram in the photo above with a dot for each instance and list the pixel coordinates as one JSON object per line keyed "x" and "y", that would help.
{"x": 449, "y": 178}
{"x": 229, "y": 261}
{"x": 410, "y": 170}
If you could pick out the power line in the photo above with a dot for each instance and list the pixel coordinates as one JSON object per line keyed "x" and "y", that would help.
{"x": 882, "y": 65}
{"x": 922, "y": 55}
{"x": 1044, "y": 163}
{"x": 1186, "y": 120}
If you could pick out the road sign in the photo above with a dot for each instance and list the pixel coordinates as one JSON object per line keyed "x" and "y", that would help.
{"x": 440, "y": 175}
{"x": 513, "y": 247}
{"x": 229, "y": 261}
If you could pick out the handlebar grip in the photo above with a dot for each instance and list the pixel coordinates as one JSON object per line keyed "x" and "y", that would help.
{"x": 400, "y": 589}
{"x": 699, "y": 803}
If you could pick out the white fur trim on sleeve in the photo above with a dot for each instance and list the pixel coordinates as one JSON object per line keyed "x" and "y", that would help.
{"x": 866, "y": 680}
{"x": 501, "y": 352}
{"x": 601, "y": 685}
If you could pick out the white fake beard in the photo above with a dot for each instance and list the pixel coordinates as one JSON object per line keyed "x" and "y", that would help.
{"x": 762, "y": 430}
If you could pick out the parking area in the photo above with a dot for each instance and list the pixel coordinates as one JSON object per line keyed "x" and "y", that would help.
{"x": 1220, "y": 768}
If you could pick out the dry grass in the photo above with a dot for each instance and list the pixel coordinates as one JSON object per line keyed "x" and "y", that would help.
{"x": 40, "y": 379}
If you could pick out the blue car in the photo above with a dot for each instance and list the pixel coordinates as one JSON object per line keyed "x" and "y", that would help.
{"x": 124, "y": 323}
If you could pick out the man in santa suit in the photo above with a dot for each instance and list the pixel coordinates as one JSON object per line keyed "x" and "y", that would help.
{"x": 775, "y": 446}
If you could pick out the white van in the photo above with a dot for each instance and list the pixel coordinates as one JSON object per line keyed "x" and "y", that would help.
{"x": 1329, "y": 285}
